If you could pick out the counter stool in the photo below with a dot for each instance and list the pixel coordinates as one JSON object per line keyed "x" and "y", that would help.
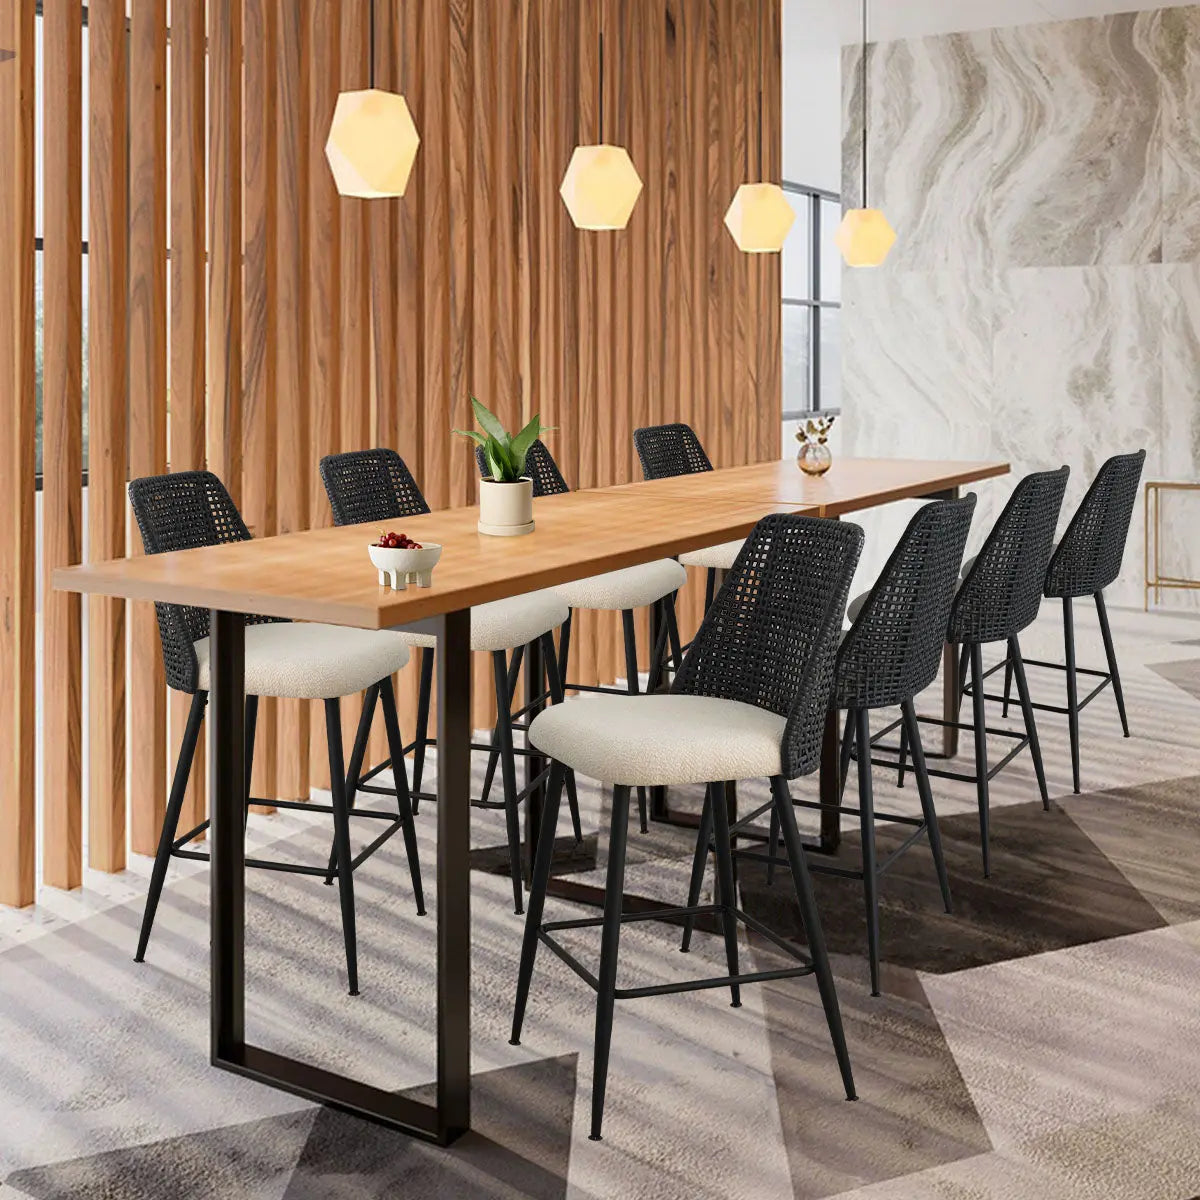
{"x": 649, "y": 585}
{"x": 1085, "y": 562}
{"x": 669, "y": 450}
{"x": 999, "y": 596}
{"x": 375, "y": 486}
{"x": 888, "y": 657}
{"x": 289, "y": 660}
{"x": 749, "y": 701}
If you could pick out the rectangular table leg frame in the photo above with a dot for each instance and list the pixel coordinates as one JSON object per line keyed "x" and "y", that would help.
{"x": 444, "y": 1121}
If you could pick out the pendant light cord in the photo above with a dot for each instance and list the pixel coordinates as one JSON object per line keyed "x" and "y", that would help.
{"x": 602, "y": 87}
{"x": 864, "y": 104}
{"x": 371, "y": 50}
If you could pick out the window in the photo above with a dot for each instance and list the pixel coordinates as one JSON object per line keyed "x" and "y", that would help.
{"x": 812, "y": 301}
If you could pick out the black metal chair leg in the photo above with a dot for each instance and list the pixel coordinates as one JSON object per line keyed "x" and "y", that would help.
{"x": 1008, "y": 682}
{"x": 609, "y": 941}
{"x": 423, "y": 699}
{"x": 357, "y": 754}
{"x": 728, "y": 898}
{"x": 166, "y": 839}
{"x": 537, "y": 895}
{"x": 341, "y": 839}
{"x": 807, "y": 901}
{"x": 564, "y": 648}
{"x": 699, "y": 860}
{"x": 964, "y": 661}
{"x": 866, "y": 817}
{"x": 1111, "y": 654}
{"x": 981, "y": 763}
{"x": 657, "y": 666}
{"x": 1072, "y": 689}
{"x": 391, "y": 721}
{"x": 514, "y": 670}
{"x": 672, "y": 620}
{"x": 251, "y": 730}
{"x": 772, "y": 847}
{"x": 902, "y": 765}
{"x": 921, "y": 771}
{"x": 632, "y": 683}
{"x": 844, "y": 756}
{"x": 1035, "y": 747}
{"x": 508, "y": 768}
{"x": 554, "y": 685}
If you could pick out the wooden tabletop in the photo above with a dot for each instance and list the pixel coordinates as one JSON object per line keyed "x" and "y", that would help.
{"x": 325, "y": 574}
{"x": 850, "y": 485}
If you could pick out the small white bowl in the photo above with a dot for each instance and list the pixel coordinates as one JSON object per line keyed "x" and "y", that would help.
{"x": 402, "y": 567}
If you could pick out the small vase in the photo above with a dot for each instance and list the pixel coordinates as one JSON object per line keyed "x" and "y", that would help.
{"x": 814, "y": 458}
{"x": 506, "y": 509}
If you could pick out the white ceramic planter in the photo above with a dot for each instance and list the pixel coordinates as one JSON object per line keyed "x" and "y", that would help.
{"x": 505, "y": 509}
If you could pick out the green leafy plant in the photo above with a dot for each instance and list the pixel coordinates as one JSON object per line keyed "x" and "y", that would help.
{"x": 505, "y": 454}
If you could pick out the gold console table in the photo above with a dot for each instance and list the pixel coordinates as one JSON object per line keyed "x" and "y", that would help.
{"x": 1154, "y": 578}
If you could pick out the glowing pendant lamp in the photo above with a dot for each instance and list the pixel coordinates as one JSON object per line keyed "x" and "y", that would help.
{"x": 601, "y": 186}
{"x": 372, "y": 140}
{"x": 759, "y": 216}
{"x": 864, "y": 236}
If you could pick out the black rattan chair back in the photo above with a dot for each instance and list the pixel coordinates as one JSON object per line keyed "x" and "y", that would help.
{"x": 183, "y": 511}
{"x": 1002, "y": 592}
{"x": 1089, "y": 556}
{"x": 539, "y": 466}
{"x": 770, "y": 636}
{"x": 892, "y": 651}
{"x": 370, "y": 486}
{"x": 668, "y": 450}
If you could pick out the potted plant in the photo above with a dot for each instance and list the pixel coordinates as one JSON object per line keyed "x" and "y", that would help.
{"x": 506, "y": 495}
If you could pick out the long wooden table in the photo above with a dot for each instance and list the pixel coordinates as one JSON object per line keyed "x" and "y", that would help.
{"x": 325, "y": 575}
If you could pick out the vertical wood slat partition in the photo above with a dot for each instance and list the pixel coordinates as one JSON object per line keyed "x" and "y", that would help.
{"x": 303, "y": 323}
{"x": 17, "y": 739}
{"x": 62, "y": 444}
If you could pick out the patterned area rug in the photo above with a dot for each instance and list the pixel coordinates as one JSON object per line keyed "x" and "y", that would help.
{"x": 1041, "y": 1042}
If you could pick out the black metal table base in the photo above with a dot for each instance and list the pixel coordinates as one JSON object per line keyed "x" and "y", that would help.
{"x": 450, "y": 1116}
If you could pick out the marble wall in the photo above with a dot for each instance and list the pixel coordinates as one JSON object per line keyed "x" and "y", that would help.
{"x": 1042, "y": 302}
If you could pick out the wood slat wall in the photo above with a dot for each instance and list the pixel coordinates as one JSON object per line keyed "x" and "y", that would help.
{"x": 305, "y": 323}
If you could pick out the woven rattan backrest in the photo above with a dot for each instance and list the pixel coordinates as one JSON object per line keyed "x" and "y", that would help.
{"x": 770, "y": 635}
{"x": 370, "y": 485}
{"x": 539, "y": 466}
{"x": 893, "y": 649}
{"x": 182, "y": 511}
{"x": 1089, "y": 556}
{"x": 667, "y": 450}
{"x": 1002, "y": 592}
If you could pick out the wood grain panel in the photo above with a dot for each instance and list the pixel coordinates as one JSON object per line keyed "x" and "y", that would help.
{"x": 225, "y": 377}
{"x": 17, "y": 563}
{"x": 324, "y": 298}
{"x": 770, "y": 314}
{"x": 188, "y": 350}
{"x": 108, "y": 227}
{"x": 147, "y": 395}
{"x": 62, "y": 444}
{"x": 295, "y": 459}
{"x": 260, "y": 322}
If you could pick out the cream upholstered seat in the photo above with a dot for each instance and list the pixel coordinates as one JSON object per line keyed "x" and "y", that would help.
{"x": 715, "y": 558}
{"x": 662, "y": 739}
{"x": 503, "y": 624}
{"x": 312, "y": 662}
{"x": 632, "y": 587}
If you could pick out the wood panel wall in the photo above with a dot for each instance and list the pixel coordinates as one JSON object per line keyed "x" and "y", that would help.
{"x": 297, "y": 323}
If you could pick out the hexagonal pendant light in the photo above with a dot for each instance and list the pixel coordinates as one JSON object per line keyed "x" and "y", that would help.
{"x": 601, "y": 185}
{"x": 759, "y": 215}
{"x": 372, "y": 139}
{"x": 865, "y": 236}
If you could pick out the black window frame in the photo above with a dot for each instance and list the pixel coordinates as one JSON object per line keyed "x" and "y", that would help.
{"x": 814, "y": 198}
